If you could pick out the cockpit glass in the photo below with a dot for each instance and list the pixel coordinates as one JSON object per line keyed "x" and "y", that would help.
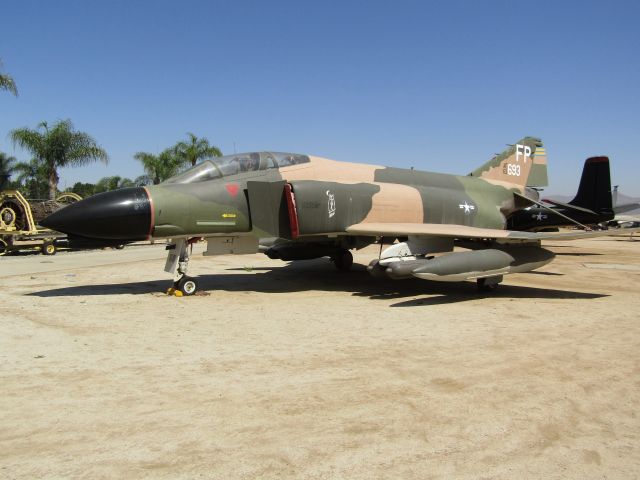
{"x": 237, "y": 164}
{"x": 206, "y": 170}
{"x": 286, "y": 159}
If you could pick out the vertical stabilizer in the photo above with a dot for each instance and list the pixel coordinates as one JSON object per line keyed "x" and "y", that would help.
{"x": 594, "y": 191}
{"x": 524, "y": 164}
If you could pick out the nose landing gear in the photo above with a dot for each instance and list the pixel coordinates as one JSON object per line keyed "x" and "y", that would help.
{"x": 178, "y": 263}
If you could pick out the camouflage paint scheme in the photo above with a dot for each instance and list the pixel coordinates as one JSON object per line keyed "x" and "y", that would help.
{"x": 296, "y": 207}
{"x": 361, "y": 194}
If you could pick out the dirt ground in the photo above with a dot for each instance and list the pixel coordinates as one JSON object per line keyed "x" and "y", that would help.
{"x": 298, "y": 371}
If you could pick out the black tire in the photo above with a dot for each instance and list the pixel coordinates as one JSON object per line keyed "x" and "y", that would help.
{"x": 485, "y": 287}
{"x": 187, "y": 286}
{"x": 4, "y": 248}
{"x": 343, "y": 260}
{"x": 49, "y": 248}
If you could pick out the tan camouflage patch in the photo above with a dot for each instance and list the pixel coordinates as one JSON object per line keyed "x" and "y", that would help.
{"x": 324, "y": 169}
{"x": 396, "y": 204}
{"x": 512, "y": 169}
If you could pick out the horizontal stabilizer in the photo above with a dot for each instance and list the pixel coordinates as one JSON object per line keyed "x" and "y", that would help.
{"x": 569, "y": 206}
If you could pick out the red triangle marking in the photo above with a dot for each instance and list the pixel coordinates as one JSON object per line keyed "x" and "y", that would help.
{"x": 232, "y": 188}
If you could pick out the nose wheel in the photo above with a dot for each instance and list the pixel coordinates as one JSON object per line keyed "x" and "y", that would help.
{"x": 186, "y": 285}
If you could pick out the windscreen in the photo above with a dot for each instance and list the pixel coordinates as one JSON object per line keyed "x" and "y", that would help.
{"x": 237, "y": 164}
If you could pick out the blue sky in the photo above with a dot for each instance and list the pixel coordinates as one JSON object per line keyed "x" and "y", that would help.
{"x": 439, "y": 86}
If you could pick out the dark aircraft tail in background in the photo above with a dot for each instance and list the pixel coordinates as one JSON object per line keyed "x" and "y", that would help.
{"x": 594, "y": 192}
{"x": 591, "y": 205}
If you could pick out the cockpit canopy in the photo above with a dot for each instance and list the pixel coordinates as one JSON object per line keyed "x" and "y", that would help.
{"x": 219, "y": 167}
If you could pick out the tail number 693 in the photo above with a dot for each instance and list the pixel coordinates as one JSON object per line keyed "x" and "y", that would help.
{"x": 512, "y": 169}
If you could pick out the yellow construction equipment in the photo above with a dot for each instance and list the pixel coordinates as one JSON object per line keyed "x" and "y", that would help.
{"x": 19, "y": 219}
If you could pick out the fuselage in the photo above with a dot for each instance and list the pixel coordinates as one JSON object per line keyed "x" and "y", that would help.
{"x": 226, "y": 196}
{"x": 345, "y": 193}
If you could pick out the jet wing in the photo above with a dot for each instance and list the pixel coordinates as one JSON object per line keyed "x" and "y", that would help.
{"x": 626, "y": 207}
{"x": 465, "y": 232}
{"x": 627, "y": 218}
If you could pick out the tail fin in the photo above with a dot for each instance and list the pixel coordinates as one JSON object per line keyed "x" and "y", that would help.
{"x": 524, "y": 164}
{"x": 594, "y": 191}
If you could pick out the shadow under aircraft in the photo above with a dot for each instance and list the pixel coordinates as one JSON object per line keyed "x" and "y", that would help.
{"x": 320, "y": 276}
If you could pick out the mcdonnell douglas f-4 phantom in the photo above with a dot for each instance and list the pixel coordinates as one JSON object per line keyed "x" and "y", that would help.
{"x": 299, "y": 207}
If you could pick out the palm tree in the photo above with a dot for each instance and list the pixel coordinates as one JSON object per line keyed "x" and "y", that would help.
{"x": 58, "y": 146}
{"x": 7, "y": 83}
{"x": 31, "y": 170}
{"x": 159, "y": 167}
{"x": 7, "y": 168}
{"x": 195, "y": 149}
{"x": 31, "y": 176}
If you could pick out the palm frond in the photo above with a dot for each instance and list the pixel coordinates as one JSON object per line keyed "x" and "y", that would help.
{"x": 9, "y": 84}
{"x": 195, "y": 149}
{"x": 30, "y": 140}
{"x": 56, "y": 146}
{"x": 7, "y": 164}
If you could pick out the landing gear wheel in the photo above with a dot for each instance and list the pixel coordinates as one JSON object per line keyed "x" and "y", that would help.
{"x": 487, "y": 285}
{"x": 343, "y": 260}
{"x": 49, "y": 248}
{"x": 187, "y": 286}
{"x": 3, "y": 247}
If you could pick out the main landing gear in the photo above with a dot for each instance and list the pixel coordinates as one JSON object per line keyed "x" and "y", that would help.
{"x": 343, "y": 260}
{"x": 489, "y": 284}
{"x": 178, "y": 263}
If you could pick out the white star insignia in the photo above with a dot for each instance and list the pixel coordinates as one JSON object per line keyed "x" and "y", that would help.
{"x": 467, "y": 208}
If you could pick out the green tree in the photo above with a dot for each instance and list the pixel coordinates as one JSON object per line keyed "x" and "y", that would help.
{"x": 31, "y": 178}
{"x": 7, "y": 83}
{"x": 142, "y": 180}
{"x": 7, "y": 168}
{"x": 83, "y": 189}
{"x": 195, "y": 149}
{"x": 58, "y": 146}
{"x": 106, "y": 184}
{"x": 159, "y": 167}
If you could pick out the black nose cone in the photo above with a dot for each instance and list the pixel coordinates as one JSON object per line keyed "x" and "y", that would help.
{"x": 123, "y": 214}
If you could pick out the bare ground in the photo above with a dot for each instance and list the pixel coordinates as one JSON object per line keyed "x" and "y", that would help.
{"x": 297, "y": 371}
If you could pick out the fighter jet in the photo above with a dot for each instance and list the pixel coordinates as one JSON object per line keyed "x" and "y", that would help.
{"x": 293, "y": 207}
{"x": 591, "y": 205}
